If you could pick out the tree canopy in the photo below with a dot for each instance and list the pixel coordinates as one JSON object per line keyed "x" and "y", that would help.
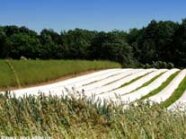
{"x": 158, "y": 42}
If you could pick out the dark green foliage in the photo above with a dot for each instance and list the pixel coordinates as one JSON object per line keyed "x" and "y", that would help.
{"x": 159, "y": 65}
{"x": 22, "y": 44}
{"x": 180, "y": 45}
{"x": 160, "y": 41}
{"x": 112, "y": 46}
{"x": 155, "y": 42}
{"x": 76, "y": 43}
{"x": 51, "y": 45}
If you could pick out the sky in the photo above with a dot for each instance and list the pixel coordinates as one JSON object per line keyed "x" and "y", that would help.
{"x": 100, "y": 15}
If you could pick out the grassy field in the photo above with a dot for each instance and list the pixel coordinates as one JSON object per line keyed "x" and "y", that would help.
{"x": 16, "y": 73}
{"x": 80, "y": 118}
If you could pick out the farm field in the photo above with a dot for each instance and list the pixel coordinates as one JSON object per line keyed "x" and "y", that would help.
{"x": 21, "y": 73}
{"x": 109, "y": 103}
{"x": 127, "y": 86}
{"x": 96, "y": 69}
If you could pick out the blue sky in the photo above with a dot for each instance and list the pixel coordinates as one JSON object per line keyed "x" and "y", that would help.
{"x": 98, "y": 15}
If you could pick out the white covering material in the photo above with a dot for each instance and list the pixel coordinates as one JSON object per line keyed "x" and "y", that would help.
{"x": 147, "y": 89}
{"x": 168, "y": 90}
{"x": 126, "y": 89}
{"x": 59, "y": 86}
{"x": 180, "y": 104}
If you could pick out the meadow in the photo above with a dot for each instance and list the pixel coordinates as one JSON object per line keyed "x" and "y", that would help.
{"x": 21, "y": 73}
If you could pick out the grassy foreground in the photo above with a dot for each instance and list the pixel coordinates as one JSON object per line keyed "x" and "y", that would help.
{"x": 18, "y": 73}
{"x": 81, "y": 118}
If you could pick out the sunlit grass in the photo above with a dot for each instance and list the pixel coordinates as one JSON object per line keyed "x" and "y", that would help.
{"x": 6, "y": 76}
{"x": 31, "y": 72}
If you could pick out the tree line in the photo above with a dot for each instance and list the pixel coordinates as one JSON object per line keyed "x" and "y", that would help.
{"x": 159, "y": 44}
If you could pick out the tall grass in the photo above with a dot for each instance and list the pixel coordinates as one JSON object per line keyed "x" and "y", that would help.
{"x": 68, "y": 117}
{"x": 30, "y": 72}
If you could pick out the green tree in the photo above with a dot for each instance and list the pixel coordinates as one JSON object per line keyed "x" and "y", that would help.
{"x": 180, "y": 45}
{"x": 51, "y": 44}
{"x": 111, "y": 46}
{"x": 4, "y": 46}
{"x": 76, "y": 43}
{"x": 22, "y": 44}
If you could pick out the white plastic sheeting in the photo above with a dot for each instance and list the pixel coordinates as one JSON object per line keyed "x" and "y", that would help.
{"x": 180, "y": 104}
{"x": 147, "y": 89}
{"x": 126, "y": 89}
{"x": 168, "y": 90}
{"x": 106, "y": 85}
{"x": 59, "y": 86}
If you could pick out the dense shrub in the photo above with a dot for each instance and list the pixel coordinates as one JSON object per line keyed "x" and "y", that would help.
{"x": 159, "y": 65}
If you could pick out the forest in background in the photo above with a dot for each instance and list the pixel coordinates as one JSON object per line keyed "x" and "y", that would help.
{"x": 161, "y": 44}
